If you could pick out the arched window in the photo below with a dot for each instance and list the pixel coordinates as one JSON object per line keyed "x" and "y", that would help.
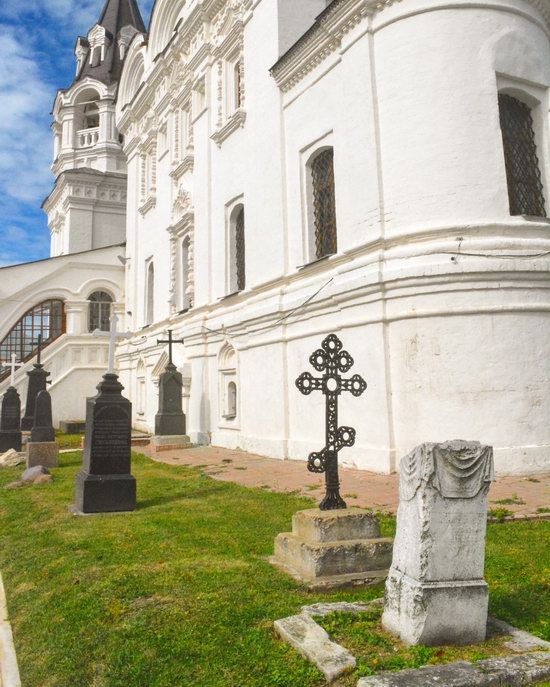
{"x": 46, "y": 319}
{"x": 525, "y": 189}
{"x": 91, "y": 115}
{"x": 324, "y": 203}
{"x": 99, "y": 311}
{"x": 237, "y": 251}
{"x": 150, "y": 295}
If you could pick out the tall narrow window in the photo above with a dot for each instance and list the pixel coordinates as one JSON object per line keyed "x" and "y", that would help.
{"x": 240, "y": 250}
{"x": 150, "y": 295}
{"x": 525, "y": 189}
{"x": 324, "y": 203}
{"x": 237, "y": 251}
{"x": 237, "y": 85}
{"x": 99, "y": 311}
{"x": 185, "y": 300}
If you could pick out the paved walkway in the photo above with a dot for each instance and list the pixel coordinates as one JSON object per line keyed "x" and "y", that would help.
{"x": 359, "y": 488}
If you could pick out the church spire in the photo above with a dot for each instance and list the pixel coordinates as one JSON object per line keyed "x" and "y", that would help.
{"x": 101, "y": 54}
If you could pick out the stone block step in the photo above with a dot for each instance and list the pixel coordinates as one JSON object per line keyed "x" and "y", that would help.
{"x": 317, "y": 526}
{"x": 333, "y": 558}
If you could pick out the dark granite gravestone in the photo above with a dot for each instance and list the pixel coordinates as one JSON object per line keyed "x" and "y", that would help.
{"x": 104, "y": 484}
{"x": 38, "y": 379}
{"x": 42, "y": 429}
{"x": 170, "y": 420}
{"x": 10, "y": 421}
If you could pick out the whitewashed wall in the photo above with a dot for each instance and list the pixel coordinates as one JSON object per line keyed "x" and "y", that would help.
{"x": 450, "y": 332}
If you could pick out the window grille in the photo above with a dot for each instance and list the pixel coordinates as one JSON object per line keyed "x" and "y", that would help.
{"x": 240, "y": 251}
{"x": 324, "y": 203}
{"x": 47, "y": 319}
{"x": 525, "y": 189}
{"x": 99, "y": 312}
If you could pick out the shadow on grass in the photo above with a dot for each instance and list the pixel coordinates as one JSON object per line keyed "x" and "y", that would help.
{"x": 190, "y": 496}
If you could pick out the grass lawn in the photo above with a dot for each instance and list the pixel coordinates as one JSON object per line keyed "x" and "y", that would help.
{"x": 68, "y": 440}
{"x": 178, "y": 593}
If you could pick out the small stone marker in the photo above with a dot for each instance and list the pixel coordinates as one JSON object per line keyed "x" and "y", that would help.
{"x": 435, "y": 592}
{"x": 38, "y": 380}
{"x": 10, "y": 421}
{"x": 104, "y": 483}
{"x": 42, "y": 448}
{"x": 313, "y": 642}
{"x": 334, "y": 549}
{"x": 170, "y": 424}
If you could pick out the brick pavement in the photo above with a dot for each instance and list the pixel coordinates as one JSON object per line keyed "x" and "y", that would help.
{"x": 359, "y": 488}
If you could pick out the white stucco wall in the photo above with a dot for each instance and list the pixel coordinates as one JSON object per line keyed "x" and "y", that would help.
{"x": 434, "y": 290}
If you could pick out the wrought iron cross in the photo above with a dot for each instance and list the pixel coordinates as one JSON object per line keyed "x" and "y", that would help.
{"x": 38, "y": 343}
{"x": 171, "y": 341}
{"x": 334, "y": 362}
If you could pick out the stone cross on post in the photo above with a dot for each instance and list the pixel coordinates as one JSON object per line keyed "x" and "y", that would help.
{"x": 171, "y": 341}
{"x": 14, "y": 367}
{"x": 334, "y": 362}
{"x": 113, "y": 336}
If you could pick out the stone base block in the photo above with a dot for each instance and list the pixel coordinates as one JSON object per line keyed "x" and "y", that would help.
{"x": 105, "y": 493}
{"x": 10, "y": 440}
{"x": 314, "y": 555}
{"x": 169, "y": 443}
{"x": 42, "y": 453}
{"x": 72, "y": 426}
{"x": 436, "y": 613}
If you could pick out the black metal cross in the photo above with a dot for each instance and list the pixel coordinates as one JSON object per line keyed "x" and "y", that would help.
{"x": 334, "y": 362}
{"x": 171, "y": 341}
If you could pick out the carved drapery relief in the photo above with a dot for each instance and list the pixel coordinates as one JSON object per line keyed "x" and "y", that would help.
{"x": 456, "y": 469}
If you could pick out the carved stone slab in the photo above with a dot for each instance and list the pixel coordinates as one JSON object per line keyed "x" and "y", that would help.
{"x": 435, "y": 592}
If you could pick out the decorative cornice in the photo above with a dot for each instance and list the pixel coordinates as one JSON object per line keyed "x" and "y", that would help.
{"x": 186, "y": 165}
{"x": 236, "y": 121}
{"x": 149, "y": 204}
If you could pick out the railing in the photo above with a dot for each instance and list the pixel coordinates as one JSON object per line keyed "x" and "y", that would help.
{"x": 86, "y": 138}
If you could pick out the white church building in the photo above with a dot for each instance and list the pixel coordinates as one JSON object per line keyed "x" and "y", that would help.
{"x": 256, "y": 174}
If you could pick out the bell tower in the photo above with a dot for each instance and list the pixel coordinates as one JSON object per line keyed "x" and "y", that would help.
{"x": 87, "y": 206}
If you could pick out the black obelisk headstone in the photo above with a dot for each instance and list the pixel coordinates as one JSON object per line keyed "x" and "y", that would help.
{"x": 38, "y": 379}
{"x": 104, "y": 483}
{"x": 10, "y": 421}
{"x": 42, "y": 429}
{"x": 170, "y": 420}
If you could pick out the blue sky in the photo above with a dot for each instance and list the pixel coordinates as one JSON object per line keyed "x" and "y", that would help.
{"x": 36, "y": 58}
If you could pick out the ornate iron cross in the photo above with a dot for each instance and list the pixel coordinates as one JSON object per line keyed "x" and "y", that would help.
{"x": 334, "y": 362}
{"x": 171, "y": 341}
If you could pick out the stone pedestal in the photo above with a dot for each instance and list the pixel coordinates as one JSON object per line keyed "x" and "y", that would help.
{"x": 10, "y": 419}
{"x": 72, "y": 426}
{"x": 45, "y": 453}
{"x": 334, "y": 549}
{"x": 170, "y": 420}
{"x": 169, "y": 443}
{"x": 435, "y": 592}
{"x": 105, "y": 484}
{"x": 38, "y": 378}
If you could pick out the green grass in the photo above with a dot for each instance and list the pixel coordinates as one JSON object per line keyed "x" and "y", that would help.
{"x": 68, "y": 440}
{"x": 179, "y": 593}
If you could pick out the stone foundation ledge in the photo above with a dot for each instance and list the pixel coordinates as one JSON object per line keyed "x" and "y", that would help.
{"x": 303, "y": 633}
{"x": 510, "y": 671}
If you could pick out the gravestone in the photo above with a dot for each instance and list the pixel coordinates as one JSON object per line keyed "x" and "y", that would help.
{"x": 435, "y": 592}
{"x": 104, "y": 483}
{"x": 10, "y": 421}
{"x": 170, "y": 423}
{"x": 38, "y": 380}
{"x": 42, "y": 448}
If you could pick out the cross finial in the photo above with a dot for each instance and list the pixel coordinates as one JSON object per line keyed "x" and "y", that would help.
{"x": 171, "y": 341}
{"x": 113, "y": 336}
{"x": 14, "y": 367}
